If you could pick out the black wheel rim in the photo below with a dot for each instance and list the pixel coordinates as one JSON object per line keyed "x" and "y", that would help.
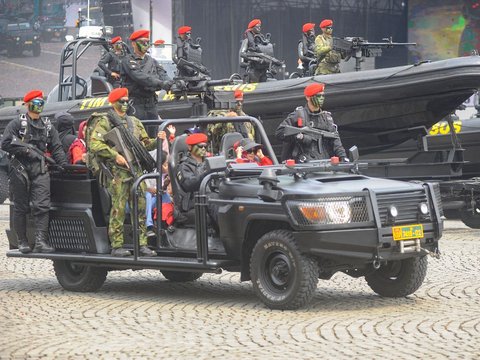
{"x": 391, "y": 270}
{"x": 277, "y": 272}
{"x": 75, "y": 269}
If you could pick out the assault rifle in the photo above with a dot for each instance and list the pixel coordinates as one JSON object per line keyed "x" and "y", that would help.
{"x": 359, "y": 48}
{"x": 261, "y": 58}
{"x": 193, "y": 66}
{"x": 292, "y": 130}
{"x": 33, "y": 150}
{"x": 114, "y": 138}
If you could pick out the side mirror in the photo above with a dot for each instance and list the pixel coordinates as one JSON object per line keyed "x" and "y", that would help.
{"x": 215, "y": 163}
{"x": 353, "y": 154}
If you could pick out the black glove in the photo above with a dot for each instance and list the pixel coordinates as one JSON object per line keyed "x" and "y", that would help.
{"x": 167, "y": 85}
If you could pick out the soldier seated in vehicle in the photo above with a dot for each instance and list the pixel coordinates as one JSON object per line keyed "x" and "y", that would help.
{"x": 248, "y": 151}
{"x": 303, "y": 147}
{"x": 189, "y": 175}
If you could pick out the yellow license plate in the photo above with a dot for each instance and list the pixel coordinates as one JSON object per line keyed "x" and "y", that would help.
{"x": 407, "y": 232}
{"x": 28, "y": 42}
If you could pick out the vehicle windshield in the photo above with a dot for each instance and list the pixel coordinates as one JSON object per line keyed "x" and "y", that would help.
{"x": 18, "y": 26}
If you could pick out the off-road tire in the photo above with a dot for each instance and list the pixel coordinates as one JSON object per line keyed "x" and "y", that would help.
{"x": 282, "y": 277}
{"x": 3, "y": 185}
{"x": 181, "y": 276}
{"x": 36, "y": 50}
{"x": 398, "y": 278}
{"x": 79, "y": 278}
{"x": 471, "y": 219}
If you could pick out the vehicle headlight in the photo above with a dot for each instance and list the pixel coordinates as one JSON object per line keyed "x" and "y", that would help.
{"x": 328, "y": 211}
{"x": 48, "y": 30}
{"x": 35, "y": 37}
{"x": 423, "y": 207}
{"x": 18, "y": 39}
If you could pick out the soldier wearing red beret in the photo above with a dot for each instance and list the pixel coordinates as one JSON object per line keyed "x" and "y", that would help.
{"x": 29, "y": 178}
{"x": 306, "y": 47}
{"x": 328, "y": 60}
{"x": 123, "y": 172}
{"x": 307, "y": 147}
{"x": 143, "y": 76}
{"x": 191, "y": 172}
{"x": 111, "y": 62}
{"x": 256, "y": 71}
{"x": 188, "y": 56}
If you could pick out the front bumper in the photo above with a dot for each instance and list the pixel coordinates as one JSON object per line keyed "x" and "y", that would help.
{"x": 362, "y": 244}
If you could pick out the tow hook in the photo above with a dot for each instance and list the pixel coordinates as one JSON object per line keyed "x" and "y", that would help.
{"x": 376, "y": 264}
{"x": 435, "y": 254}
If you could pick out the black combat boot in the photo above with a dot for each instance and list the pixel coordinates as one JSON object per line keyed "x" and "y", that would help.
{"x": 41, "y": 245}
{"x": 23, "y": 246}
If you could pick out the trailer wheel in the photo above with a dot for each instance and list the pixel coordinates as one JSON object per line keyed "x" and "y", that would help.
{"x": 79, "y": 278}
{"x": 282, "y": 277}
{"x": 398, "y": 278}
{"x": 3, "y": 185}
{"x": 181, "y": 276}
{"x": 471, "y": 219}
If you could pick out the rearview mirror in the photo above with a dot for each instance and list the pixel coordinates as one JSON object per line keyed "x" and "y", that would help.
{"x": 353, "y": 154}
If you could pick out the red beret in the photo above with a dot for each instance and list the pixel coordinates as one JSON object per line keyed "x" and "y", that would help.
{"x": 238, "y": 94}
{"x": 325, "y": 23}
{"x": 117, "y": 94}
{"x": 159, "y": 42}
{"x": 33, "y": 94}
{"x": 142, "y": 33}
{"x": 184, "y": 29}
{"x": 307, "y": 27}
{"x": 254, "y": 23}
{"x": 115, "y": 40}
{"x": 197, "y": 138}
{"x": 313, "y": 89}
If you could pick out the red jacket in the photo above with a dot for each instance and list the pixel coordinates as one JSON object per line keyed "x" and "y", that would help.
{"x": 262, "y": 162}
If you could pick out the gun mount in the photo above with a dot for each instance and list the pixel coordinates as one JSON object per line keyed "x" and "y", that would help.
{"x": 359, "y": 48}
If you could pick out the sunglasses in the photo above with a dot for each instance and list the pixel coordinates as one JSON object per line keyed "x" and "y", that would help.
{"x": 38, "y": 102}
{"x": 201, "y": 146}
{"x": 143, "y": 42}
{"x": 329, "y": 28}
{"x": 123, "y": 102}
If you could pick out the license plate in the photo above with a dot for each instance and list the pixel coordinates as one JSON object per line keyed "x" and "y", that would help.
{"x": 28, "y": 42}
{"x": 407, "y": 232}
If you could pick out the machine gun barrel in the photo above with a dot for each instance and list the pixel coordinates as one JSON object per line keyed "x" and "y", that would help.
{"x": 292, "y": 130}
{"x": 194, "y": 66}
{"x": 39, "y": 154}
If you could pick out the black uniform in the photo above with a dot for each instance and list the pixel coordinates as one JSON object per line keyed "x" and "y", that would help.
{"x": 306, "y": 52}
{"x": 29, "y": 177}
{"x": 142, "y": 77}
{"x": 182, "y": 53}
{"x": 310, "y": 148}
{"x": 66, "y": 130}
{"x": 258, "y": 71}
{"x": 190, "y": 175}
{"x": 111, "y": 62}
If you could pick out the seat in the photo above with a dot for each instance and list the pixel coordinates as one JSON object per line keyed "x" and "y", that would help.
{"x": 227, "y": 143}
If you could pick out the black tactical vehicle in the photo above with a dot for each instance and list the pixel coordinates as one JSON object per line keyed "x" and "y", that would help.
{"x": 282, "y": 226}
{"x": 19, "y": 36}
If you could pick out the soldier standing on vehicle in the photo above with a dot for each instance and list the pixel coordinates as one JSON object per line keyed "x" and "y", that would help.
{"x": 306, "y": 47}
{"x": 184, "y": 40}
{"x": 304, "y": 147}
{"x": 258, "y": 70}
{"x": 328, "y": 60}
{"x": 111, "y": 62}
{"x": 122, "y": 174}
{"x": 143, "y": 75}
{"x": 29, "y": 177}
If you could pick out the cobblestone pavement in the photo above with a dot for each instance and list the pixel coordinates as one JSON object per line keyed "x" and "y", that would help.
{"x": 139, "y": 314}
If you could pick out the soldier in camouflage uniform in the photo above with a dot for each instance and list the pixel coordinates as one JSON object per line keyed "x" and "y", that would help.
{"x": 217, "y": 130}
{"x": 123, "y": 173}
{"x": 328, "y": 60}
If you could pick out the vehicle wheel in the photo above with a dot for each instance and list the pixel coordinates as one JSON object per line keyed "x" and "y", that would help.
{"x": 451, "y": 214}
{"x": 12, "y": 52}
{"x": 471, "y": 219}
{"x": 398, "y": 278}
{"x": 3, "y": 185}
{"x": 282, "y": 277}
{"x": 36, "y": 50}
{"x": 80, "y": 278}
{"x": 181, "y": 276}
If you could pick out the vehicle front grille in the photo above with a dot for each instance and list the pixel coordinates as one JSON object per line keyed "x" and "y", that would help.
{"x": 406, "y": 204}
{"x": 68, "y": 234}
{"x": 438, "y": 197}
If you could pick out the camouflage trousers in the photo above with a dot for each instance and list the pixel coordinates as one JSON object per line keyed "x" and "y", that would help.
{"x": 119, "y": 189}
{"x": 325, "y": 68}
